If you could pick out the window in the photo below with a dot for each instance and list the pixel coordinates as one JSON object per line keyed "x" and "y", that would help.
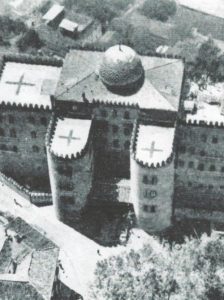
{"x": 36, "y": 149}
{"x": 67, "y": 199}
{"x": 65, "y": 170}
{"x": 31, "y": 120}
{"x": 11, "y": 119}
{"x": 201, "y": 167}
{"x": 127, "y": 131}
{"x": 222, "y": 187}
{"x": 115, "y": 128}
{"x": 152, "y": 208}
{"x": 33, "y": 134}
{"x": 150, "y": 194}
{"x": 210, "y": 187}
{"x": 202, "y": 153}
{"x": 146, "y": 208}
{"x": 116, "y": 143}
{"x": 154, "y": 180}
{"x": 1, "y": 119}
{"x": 127, "y": 145}
{"x": 43, "y": 121}
{"x": 214, "y": 140}
{"x": 204, "y": 138}
{"x": 182, "y": 149}
{"x": 103, "y": 113}
{"x": 13, "y": 132}
{"x": 15, "y": 149}
{"x": 3, "y": 147}
{"x": 2, "y": 133}
{"x": 66, "y": 186}
{"x": 189, "y": 184}
{"x": 145, "y": 179}
{"x": 200, "y": 186}
{"x": 127, "y": 115}
{"x": 191, "y": 164}
{"x": 212, "y": 168}
{"x": 181, "y": 163}
{"x": 114, "y": 113}
{"x": 222, "y": 169}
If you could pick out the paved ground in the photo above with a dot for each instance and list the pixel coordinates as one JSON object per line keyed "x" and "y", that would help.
{"x": 78, "y": 253}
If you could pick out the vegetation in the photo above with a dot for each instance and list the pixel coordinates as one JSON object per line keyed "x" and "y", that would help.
{"x": 11, "y": 27}
{"x": 29, "y": 39}
{"x": 193, "y": 270}
{"x": 209, "y": 63}
{"x": 159, "y": 9}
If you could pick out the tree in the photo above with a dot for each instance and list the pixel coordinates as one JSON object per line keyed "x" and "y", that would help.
{"x": 30, "y": 39}
{"x": 193, "y": 270}
{"x": 159, "y": 9}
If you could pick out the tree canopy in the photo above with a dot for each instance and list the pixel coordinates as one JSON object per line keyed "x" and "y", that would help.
{"x": 30, "y": 39}
{"x": 159, "y": 9}
{"x": 193, "y": 270}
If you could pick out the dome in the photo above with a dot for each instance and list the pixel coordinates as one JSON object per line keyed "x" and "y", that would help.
{"x": 121, "y": 69}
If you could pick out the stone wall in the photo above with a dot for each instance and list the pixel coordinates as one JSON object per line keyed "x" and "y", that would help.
{"x": 22, "y": 144}
{"x": 199, "y": 182}
{"x": 152, "y": 195}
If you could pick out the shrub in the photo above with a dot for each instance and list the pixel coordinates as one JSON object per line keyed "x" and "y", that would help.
{"x": 159, "y": 9}
{"x": 30, "y": 39}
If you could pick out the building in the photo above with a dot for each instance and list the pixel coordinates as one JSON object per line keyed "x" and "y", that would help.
{"x": 28, "y": 264}
{"x": 114, "y": 115}
{"x": 54, "y": 15}
{"x": 68, "y": 27}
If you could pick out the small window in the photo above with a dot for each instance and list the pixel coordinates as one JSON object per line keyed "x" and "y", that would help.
{"x": 126, "y": 115}
{"x": 116, "y": 143}
{"x": 210, "y": 187}
{"x": 212, "y": 168}
{"x": 65, "y": 170}
{"x": 222, "y": 169}
{"x": 31, "y": 120}
{"x": 127, "y": 145}
{"x": 200, "y": 186}
{"x": 145, "y": 179}
{"x": 201, "y": 167}
{"x": 145, "y": 208}
{"x": 191, "y": 164}
{"x": 182, "y": 149}
{"x": 115, "y": 128}
{"x": 222, "y": 187}
{"x": 154, "y": 180}
{"x": 13, "y": 133}
{"x": 3, "y": 147}
{"x": 181, "y": 163}
{"x": 202, "y": 153}
{"x": 11, "y": 119}
{"x": 150, "y": 194}
{"x": 43, "y": 121}
{"x": 66, "y": 186}
{"x": 33, "y": 134}
{"x": 152, "y": 208}
{"x": 36, "y": 149}
{"x": 1, "y": 119}
{"x": 204, "y": 138}
{"x": 2, "y": 132}
{"x": 114, "y": 113}
{"x": 15, "y": 149}
{"x": 103, "y": 113}
{"x": 189, "y": 184}
{"x": 45, "y": 150}
{"x": 214, "y": 140}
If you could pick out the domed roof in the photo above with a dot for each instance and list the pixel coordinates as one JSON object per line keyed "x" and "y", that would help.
{"x": 121, "y": 67}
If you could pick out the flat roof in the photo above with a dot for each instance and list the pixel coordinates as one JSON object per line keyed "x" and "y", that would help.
{"x": 53, "y": 12}
{"x": 154, "y": 143}
{"x": 214, "y": 7}
{"x": 70, "y": 136}
{"x": 28, "y": 84}
{"x": 159, "y": 91}
{"x": 68, "y": 25}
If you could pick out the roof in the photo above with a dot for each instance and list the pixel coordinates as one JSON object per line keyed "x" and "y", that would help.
{"x": 53, "y": 12}
{"x": 70, "y": 137}
{"x": 154, "y": 144}
{"x": 79, "y": 75}
{"x": 36, "y": 258}
{"x": 208, "y": 104}
{"x": 68, "y": 25}
{"x": 215, "y": 7}
{"x": 28, "y": 84}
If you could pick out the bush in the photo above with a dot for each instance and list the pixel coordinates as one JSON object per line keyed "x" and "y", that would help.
{"x": 159, "y": 9}
{"x": 10, "y": 26}
{"x": 30, "y": 39}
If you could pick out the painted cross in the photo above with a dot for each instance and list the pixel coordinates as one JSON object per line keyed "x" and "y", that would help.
{"x": 69, "y": 138}
{"x": 20, "y": 83}
{"x": 152, "y": 149}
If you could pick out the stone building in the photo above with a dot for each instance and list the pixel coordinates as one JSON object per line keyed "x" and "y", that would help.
{"x": 113, "y": 115}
